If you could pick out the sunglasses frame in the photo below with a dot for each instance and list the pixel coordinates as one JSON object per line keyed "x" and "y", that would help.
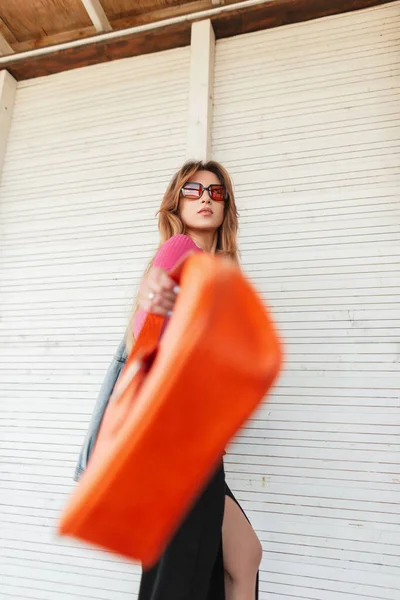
{"x": 205, "y": 189}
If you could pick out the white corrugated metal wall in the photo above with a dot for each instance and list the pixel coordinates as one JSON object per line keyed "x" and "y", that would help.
{"x": 307, "y": 120}
{"x": 89, "y": 156}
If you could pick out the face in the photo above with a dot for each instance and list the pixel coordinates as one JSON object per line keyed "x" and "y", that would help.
{"x": 204, "y": 213}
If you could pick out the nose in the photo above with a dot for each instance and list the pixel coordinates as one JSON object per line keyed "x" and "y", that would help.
{"x": 205, "y": 197}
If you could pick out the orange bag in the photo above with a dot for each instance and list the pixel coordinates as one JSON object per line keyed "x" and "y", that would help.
{"x": 178, "y": 402}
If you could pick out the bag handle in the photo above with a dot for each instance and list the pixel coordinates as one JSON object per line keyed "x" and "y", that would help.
{"x": 151, "y": 331}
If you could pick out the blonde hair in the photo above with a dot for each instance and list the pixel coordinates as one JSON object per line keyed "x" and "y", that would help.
{"x": 170, "y": 222}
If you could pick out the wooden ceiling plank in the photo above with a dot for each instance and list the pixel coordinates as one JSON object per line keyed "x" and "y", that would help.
{"x": 97, "y": 15}
{"x": 6, "y": 32}
{"x": 36, "y": 19}
{"x": 57, "y": 38}
{"x": 5, "y": 48}
{"x": 177, "y": 34}
{"x": 159, "y": 14}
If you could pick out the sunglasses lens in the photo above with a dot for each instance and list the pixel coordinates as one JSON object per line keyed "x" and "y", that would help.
{"x": 218, "y": 193}
{"x": 192, "y": 190}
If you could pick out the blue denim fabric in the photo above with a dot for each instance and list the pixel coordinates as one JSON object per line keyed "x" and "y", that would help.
{"x": 109, "y": 382}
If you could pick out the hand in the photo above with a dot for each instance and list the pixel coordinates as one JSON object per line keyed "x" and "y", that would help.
{"x": 157, "y": 293}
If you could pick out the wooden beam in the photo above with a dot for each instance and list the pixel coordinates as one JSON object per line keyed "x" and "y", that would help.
{"x": 157, "y": 40}
{"x": 97, "y": 15}
{"x": 201, "y": 83}
{"x": 286, "y": 12}
{"x": 8, "y": 89}
{"x": 5, "y": 48}
{"x": 237, "y": 21}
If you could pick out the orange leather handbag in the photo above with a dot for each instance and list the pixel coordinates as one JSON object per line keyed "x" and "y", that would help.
{"x": 176, "y": 405}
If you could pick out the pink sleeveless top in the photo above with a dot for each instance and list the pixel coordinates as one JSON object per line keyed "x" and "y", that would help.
{"x": 167, "y": 257}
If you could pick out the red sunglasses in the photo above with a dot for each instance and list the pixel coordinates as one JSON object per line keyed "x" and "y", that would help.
{"x": 194, "y": 191}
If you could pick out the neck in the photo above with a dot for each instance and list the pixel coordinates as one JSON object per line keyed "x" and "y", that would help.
{"x": 206, "y": 240}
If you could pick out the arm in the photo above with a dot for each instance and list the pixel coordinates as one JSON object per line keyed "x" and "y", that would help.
{"x": 157, "y": 281}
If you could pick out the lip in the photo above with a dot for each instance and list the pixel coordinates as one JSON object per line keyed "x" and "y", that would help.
{"x": 206, "y": 211}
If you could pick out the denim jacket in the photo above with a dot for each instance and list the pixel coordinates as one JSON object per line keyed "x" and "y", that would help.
{"x": 109, "y": 382}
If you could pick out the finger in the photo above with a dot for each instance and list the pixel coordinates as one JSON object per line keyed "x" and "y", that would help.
{"x": 153, "y": 286}
{"x": 155, "y": 310}
{"x": 168, "y": 296}
{"x": 166, "y": 282}
{"x": 160, "y": 302}
{"x": 159, "y": 310}
{"x": 149, "y": 289}
{"x": 159, "y": 289}
{"x": 158, "y": 278}
{"x": 160, "y": 286}
{"x": 167, "y": 305}
{"x": 164, "y": 297}
{"x": 163, "y": 300}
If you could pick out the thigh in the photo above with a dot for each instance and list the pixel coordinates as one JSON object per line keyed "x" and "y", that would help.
{"x": 241, "y": 547}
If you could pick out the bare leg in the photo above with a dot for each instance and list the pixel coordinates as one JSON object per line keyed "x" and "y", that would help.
{"x": 242, "y": 553}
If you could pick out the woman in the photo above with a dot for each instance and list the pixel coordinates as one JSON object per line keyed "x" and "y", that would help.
{"x": 215, "y": 554}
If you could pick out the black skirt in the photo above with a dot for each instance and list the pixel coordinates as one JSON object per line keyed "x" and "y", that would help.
{"x": 191, "y": 567}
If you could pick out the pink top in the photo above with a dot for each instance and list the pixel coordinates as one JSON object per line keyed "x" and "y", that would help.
{"x": 167, "y": 257}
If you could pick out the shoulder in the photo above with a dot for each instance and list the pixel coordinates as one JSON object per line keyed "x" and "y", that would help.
{"x": 179, "y": 241}
{"x": 173, "y": 250}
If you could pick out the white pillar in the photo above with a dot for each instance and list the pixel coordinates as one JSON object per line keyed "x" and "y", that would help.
{"x": 8, "y": 88}
{"x": 201, "y": 83}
